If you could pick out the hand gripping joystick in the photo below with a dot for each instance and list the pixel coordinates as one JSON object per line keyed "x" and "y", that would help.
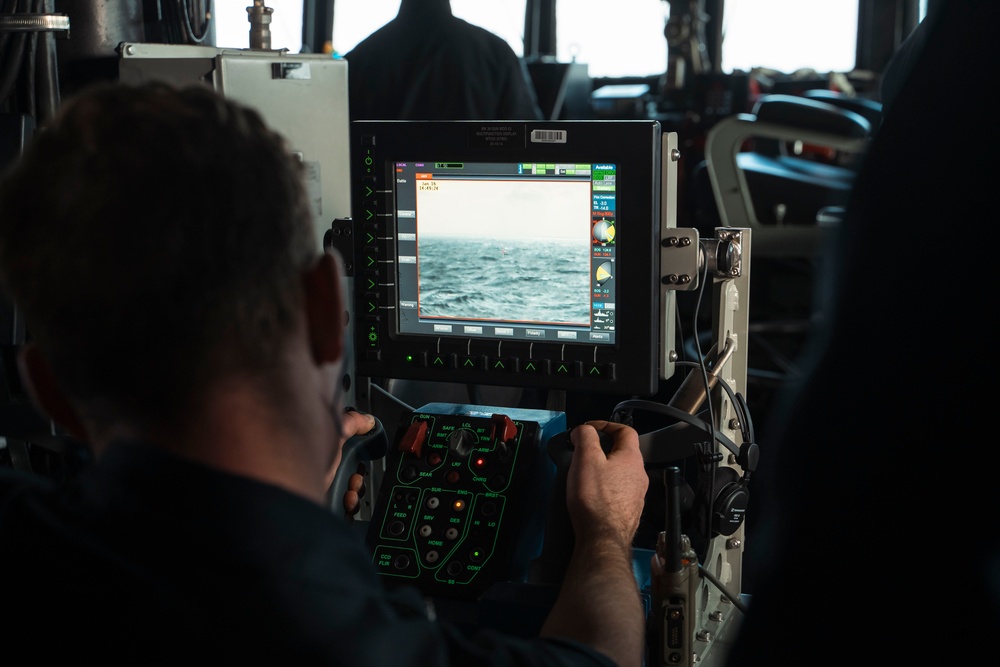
{"x": 557, "y": 546}
{"x": 356, "y": 453}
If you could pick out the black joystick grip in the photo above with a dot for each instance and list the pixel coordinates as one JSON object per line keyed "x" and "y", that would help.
{"x": 358, "y": 450}
{"x": 557, "y": 546}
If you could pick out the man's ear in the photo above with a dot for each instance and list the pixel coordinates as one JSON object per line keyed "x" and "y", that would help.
{"x": 43, "y": 389}
{"x": 325, "y": 309}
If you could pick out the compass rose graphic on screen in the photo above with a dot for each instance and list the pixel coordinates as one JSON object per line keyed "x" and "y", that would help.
{"x": 604, "y": 230}
{"x": 603, "y": 273}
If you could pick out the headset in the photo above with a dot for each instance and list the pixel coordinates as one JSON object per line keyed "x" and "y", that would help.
{"x": 719, "y": 498}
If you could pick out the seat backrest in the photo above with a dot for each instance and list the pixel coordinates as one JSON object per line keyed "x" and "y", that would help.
{"x": 783, "y": 118}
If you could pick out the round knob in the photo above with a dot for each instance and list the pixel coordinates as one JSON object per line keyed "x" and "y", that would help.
{"x": 462, "y": 441}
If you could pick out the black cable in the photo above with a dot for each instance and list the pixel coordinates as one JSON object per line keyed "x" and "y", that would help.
{"x": 172, "y": 31}
{"x": 679, "y": 415}
{"x": 737, "y": 400}
{"x": 748, "y": 427}
{"x": 385, "y": 392}
{"x": 718, "y": 584}
{"x": 189, "y": 30}
{"x": 708, "y": 389}
{"x": 8, "y": 77}
{"x": 679, "y": 324}
{"x": 28, "y": 78}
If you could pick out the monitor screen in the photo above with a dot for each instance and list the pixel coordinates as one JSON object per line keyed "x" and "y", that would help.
{"x": 506, "y": 250}
{"x": 518, "y": 254}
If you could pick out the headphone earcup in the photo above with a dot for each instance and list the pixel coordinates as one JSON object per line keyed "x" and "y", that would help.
{"x": 730, "y": 503}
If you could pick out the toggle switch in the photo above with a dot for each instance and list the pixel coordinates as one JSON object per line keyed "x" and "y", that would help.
{"x": 413, "y": 440}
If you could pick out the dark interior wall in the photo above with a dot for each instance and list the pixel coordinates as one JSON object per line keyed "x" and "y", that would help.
{"x": 317, "y": 25}
{"x": 882, "y": 27}
{"x": 89, "y": 52}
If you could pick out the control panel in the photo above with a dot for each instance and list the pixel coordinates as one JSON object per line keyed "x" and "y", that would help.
{"x": 462, "y": 503}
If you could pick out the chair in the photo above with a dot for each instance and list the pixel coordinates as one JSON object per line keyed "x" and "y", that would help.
{"x": 785, "y": 171}
{"x": 788, "y": 197}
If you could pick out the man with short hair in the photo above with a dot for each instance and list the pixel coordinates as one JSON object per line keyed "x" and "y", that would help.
{"x": 159, "y": 243}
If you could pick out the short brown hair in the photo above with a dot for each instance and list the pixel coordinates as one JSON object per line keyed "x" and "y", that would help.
{"x": 154, "y": 238}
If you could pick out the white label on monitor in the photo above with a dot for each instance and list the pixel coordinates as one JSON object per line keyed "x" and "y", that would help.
{"x": 548, "y": 136}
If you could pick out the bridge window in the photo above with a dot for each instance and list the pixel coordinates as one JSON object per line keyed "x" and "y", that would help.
{"x": 615, "y": 39}
{"x": 789, "y": 35}
{"x": 232, "y": 27}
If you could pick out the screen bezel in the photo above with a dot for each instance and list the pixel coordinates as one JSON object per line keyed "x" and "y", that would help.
{"x": 628, "y": 365}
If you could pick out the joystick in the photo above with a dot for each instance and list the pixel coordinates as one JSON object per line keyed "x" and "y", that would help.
{"x": 557, "y": 546}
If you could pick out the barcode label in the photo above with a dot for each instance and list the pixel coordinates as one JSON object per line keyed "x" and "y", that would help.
{"x": 548, "y": 136}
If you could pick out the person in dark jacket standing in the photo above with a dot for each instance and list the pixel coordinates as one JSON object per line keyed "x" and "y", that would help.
{"x": 427, "y": 64}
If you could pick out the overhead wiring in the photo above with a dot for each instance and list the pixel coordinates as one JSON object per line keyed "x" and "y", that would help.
{"x": 195, "y": 36}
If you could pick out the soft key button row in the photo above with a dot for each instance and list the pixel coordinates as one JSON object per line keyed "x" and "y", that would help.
{"x": 449, "y": 361}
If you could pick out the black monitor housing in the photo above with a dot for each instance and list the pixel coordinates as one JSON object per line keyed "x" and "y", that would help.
{"x": 520, "y": 254}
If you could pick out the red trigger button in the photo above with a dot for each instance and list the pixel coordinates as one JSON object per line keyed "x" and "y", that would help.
{"x": 504, "y": 429}
{"x": 413, "y": 440}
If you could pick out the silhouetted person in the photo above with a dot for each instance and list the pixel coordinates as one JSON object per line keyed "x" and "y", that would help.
{"x": 426, "y": 64}
{"x": 879, "y": 537}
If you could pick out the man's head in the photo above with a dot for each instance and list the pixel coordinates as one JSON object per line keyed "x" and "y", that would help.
{"x": 154, "y": 240}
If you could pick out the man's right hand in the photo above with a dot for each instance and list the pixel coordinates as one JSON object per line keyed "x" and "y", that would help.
{"x": 605, "y": 493}
{"x": 599, "y": 603}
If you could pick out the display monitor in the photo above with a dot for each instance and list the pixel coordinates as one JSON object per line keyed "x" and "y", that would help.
{"x": 515, "y": 254}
